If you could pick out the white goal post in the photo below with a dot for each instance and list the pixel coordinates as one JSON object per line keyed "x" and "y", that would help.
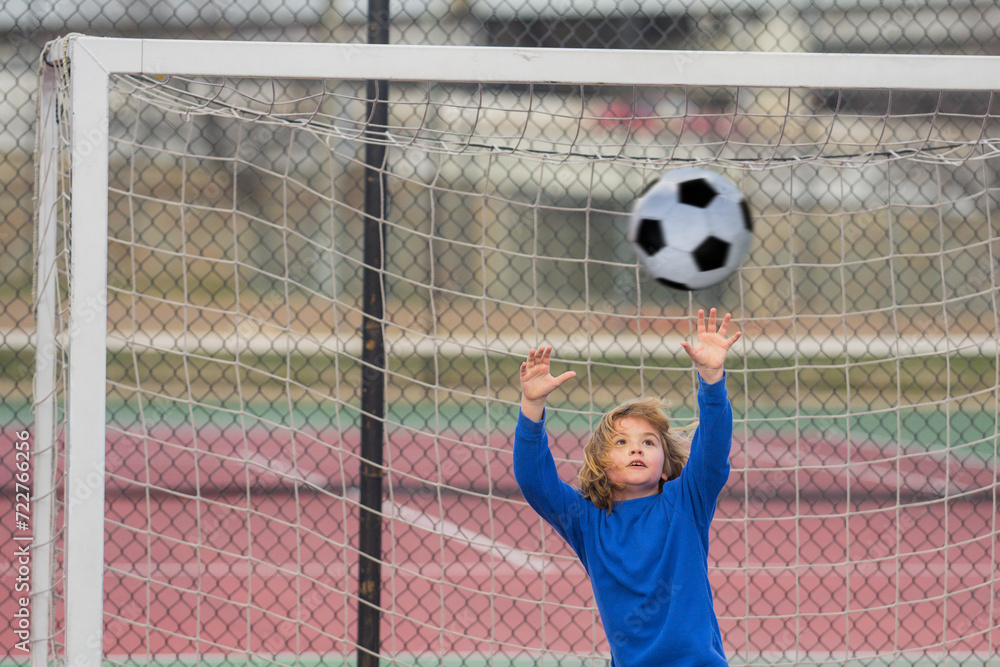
{"x": 72, "y": 358}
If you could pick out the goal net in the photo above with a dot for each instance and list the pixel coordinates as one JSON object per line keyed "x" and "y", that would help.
{"x": 279, "y": 336}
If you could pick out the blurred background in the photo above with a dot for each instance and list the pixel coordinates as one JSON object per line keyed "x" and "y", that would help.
{"x": 813, "y": 221}
{"x": 870, "y": 26}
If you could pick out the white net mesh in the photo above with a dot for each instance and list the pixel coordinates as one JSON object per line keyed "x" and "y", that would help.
{"x": 859, "y": 523}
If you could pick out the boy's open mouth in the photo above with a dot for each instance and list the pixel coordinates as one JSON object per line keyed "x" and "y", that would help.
{"x": 637, "y": 464}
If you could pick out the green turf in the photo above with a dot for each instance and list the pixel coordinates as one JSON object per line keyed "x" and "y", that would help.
{"x": 928, "y": 402}
{"x": 919, "y": 428}
{"x": 456, "y": 660}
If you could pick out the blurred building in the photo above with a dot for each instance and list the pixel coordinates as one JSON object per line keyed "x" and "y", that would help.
{"x": 902, "y": 26}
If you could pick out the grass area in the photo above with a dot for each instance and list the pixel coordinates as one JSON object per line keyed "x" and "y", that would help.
{"x": 337, "y": 660}
{"x": 966, "y": 432}
{"x": 927, "y": 401}
{"x": 479, "y": 660}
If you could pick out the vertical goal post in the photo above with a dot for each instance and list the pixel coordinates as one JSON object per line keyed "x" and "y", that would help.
{"x": 93, "y": 60}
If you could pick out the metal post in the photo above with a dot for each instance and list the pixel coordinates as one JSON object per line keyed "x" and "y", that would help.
{"x": 87, "y": 379}
{"x": 373, "y": 358}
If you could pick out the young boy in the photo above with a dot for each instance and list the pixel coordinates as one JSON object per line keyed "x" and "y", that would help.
{"x": 640, "y": 522}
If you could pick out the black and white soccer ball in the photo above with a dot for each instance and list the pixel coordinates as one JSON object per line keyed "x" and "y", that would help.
{"x": 691, "y": 229}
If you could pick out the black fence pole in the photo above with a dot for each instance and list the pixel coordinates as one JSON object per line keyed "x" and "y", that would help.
{"x": 373, "y": 358}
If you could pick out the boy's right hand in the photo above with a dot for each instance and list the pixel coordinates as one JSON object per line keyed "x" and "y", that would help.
{"x": 537, "y": 382}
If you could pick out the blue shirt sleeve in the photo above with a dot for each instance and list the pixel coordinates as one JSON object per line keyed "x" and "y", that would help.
{"x": 707, "y": 468}
{"x": 535, "y": 472}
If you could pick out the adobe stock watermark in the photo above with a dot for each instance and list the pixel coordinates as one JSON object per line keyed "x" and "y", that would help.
{"x": 130, "y": 614}
{"x": 882, "y": 546}
{"x": 20, "y": 557}
{"x": 93, "y": 642}
{"x": 249, "y": 145}
{"x": 87, "y": 311}
{"x": 651, "y": 610}
{"x": 453, "y": 462}
{"x": 275, "y": 301}
{"x": 981, "y": 278}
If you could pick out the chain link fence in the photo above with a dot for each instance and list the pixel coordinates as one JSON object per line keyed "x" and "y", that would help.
{"x": 902, "y": 27}
{"x": 878, "y": 26}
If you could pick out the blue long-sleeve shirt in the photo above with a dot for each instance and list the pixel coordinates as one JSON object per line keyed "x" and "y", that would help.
{"x": 648, "y": 558}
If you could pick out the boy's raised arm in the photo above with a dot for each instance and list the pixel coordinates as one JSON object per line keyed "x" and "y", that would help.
{"x": 708, "y": 464}
{"x": 534, "y": 468}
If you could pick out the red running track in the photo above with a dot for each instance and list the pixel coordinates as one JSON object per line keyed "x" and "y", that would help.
{"x": 818, "y": 548}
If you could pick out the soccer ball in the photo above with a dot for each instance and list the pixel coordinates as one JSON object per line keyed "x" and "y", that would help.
{"x": 691, "y": 229}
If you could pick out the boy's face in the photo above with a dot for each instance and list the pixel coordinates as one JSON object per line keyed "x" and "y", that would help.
{"x": 636, "y": 459}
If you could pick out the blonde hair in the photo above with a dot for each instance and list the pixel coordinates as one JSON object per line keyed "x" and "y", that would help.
{"x": 594, "y": 482}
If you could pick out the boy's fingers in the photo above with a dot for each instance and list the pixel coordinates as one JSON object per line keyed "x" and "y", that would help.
{"x": 565, "y": 376}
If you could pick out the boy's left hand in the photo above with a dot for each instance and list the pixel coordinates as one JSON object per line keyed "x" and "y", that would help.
{"x": 709, "y": 354}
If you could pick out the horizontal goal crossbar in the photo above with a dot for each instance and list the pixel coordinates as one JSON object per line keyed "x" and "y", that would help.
{"x": 535, "y": 65}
